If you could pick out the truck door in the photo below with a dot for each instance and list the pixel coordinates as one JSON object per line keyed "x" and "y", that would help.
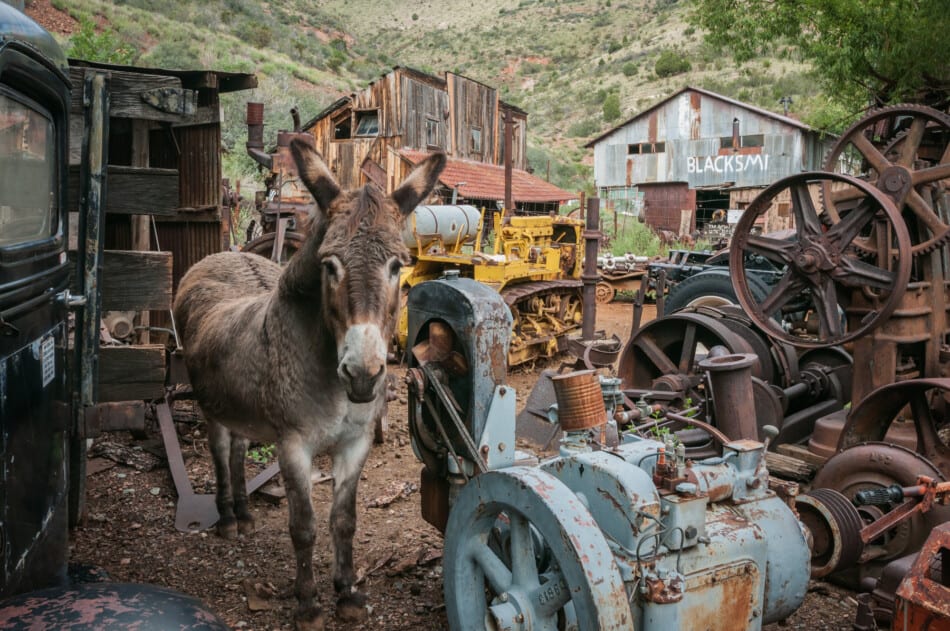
{"x": 35, "y": 409}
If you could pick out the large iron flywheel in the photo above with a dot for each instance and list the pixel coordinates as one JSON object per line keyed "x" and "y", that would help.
{"x": 820, "y": 267}
{"x": 522, "y": 552}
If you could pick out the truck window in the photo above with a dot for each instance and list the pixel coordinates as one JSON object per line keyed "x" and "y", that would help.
{"x": 27, "y": 172}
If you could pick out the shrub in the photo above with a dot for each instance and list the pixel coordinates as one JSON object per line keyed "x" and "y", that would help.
{"x": 629, "y": 69}
{"x": 612, "y": 107}
{"x": 671, "y": 63}
{"x": 104, "y": 47}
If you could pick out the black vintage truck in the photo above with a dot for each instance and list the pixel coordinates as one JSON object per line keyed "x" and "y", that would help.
{"x": 49, "y": 341}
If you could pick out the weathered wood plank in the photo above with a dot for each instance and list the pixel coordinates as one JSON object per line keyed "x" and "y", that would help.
{"x": 802, "y": 453}
{"x": 126, "y": 95}
{"x": 136, "y": 281}
{"x": 131, "y": 373}
{"x": 134, "y": 191}
{"x": 789, "y": 468}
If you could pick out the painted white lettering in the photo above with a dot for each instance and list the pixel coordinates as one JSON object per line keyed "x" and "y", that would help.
{"x": 725, "y": 164}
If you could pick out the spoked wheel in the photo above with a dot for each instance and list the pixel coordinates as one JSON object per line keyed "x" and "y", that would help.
{"x": 820, "y": 266}
{"x": 904, "y": 151}
{"x": 664, "y": 354}
{"x": 925, "y": 402}
{"x": 264, "y": 245}
{"x": 551, "y": 569}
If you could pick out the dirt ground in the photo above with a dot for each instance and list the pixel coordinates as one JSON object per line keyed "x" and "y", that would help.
{"x": 129, "y": 531}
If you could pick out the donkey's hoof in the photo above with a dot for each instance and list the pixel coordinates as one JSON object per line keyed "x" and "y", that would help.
{"x": 228, "y": 529}
{"x": 311, "y": 619}
{"x": 352, "y": 607}
{"x": 245, "y": 525}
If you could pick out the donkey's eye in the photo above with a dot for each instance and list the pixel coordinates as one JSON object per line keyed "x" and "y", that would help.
{"x": 394, "y": 266}
{"x": 332, "y": 269}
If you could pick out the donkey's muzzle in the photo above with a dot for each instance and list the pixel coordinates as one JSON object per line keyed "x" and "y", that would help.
{"x": 361, "y": 387}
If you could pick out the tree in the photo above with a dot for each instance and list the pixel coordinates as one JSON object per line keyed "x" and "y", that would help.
{"x": 885, "y": 50}
{"x": 612, "y": 107}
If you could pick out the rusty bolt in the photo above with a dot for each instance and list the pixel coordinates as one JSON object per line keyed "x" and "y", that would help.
{"x": 503, "y": 597}
{"x": 519, "y": 618}
{"x": 484, "y": 450}
{"x": 501, "y": 446}
{"x": 503, "y": 391}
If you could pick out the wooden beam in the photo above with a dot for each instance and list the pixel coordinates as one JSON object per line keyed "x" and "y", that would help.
{"x": 126, "y": 95}
{"x": 141, "y": 224}
{"x": 789, "y": 468}
{"x": 207, "y": 115}
{"x": 131, "y": 373}
{"x": 134, "y": 191}
{"x": 136, "y": 281}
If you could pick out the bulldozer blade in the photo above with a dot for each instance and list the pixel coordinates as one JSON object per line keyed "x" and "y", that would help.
{"x": 532, "y": 424}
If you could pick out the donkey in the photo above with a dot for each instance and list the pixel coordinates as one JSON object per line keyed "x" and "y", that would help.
{"x": 297, "y": 356}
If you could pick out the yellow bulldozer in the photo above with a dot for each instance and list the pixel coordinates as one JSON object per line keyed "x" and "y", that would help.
{"x": 535, "y": 263}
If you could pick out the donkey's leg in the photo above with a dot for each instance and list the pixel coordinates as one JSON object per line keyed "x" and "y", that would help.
{"x": 295, "y": 465}
{"x": 245, "y": 522}
{"x": 347, "y": 466}
{"x": 219, "y": 440}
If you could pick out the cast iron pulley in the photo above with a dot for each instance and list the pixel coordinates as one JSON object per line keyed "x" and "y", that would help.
{"x": 904, "y": 151}
{"x": 523, "y": 552}
{"x": 819, "y": 266}
{"x": 437, "y": 366}
{"x": 879, "y": 465}
{"x": 834, "y": 526}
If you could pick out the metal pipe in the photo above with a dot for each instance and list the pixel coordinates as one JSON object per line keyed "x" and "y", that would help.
{"x": 509, "y": 132}
{"x": 255, "y": 135}
{"x": 590, "y": 276}
{"x": 730, "y": 379}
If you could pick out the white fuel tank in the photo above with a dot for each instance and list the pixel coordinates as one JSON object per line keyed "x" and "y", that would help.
{"x": 448, "y": 223}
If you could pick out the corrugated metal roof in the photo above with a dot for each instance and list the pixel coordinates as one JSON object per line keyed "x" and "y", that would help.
{"x": 758, "y": 110}
{"x": 487, "y": 181}
{"x": 223, "y": 81}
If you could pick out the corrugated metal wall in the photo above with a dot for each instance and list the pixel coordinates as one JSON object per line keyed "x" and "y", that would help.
{"x": 691, "y": 127}
{"x": 663, "y": 205}
{"x": 199, "y": 165}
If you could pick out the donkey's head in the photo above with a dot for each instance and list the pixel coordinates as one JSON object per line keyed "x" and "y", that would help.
{"x": 358, "y": 258}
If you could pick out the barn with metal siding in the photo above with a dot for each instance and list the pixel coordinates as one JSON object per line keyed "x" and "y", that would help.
{"x": 697, "y": 152}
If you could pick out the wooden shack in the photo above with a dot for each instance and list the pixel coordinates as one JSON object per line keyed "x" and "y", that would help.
{"x": 163, "y": 206}
{"x": 380, "y": 132}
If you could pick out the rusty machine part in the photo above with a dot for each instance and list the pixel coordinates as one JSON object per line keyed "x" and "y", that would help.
{"x": 821, "y": 269}
{"x": 618, "y": 534}
{"x": 858, "y": 526}
{"x": 923, "y": 598}
{"x": 580, "y": 403}
{"x": 897, "y": 145}
{"x": 285, "y": 204}
{"x": 661, "y": 362}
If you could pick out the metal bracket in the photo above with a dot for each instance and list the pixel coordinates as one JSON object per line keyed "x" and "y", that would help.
{"x": 172, "y": 100}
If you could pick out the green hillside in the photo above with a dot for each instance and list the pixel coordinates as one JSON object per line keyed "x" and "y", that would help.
{"x": 578, "y": 67}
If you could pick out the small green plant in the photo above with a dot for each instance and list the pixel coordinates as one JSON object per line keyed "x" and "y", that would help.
{"x": 104, "y": 47}
{"x": 261, "y": 454}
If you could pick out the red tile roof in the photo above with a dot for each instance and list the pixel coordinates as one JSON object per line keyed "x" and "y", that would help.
{"x": 487, "y": 181}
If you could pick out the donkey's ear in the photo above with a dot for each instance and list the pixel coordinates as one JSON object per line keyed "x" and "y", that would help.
{"x": 314, "y": 173}
{"x": 420, "y": 183}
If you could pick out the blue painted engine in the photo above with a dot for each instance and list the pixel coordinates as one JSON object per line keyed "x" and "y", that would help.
{"x": 617, "y": 531}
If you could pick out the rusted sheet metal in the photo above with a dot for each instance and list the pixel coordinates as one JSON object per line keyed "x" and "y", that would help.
{"x": 199, "y": 167}
{"x": 691, "y": 127}
{"x": 923, "y": 598}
